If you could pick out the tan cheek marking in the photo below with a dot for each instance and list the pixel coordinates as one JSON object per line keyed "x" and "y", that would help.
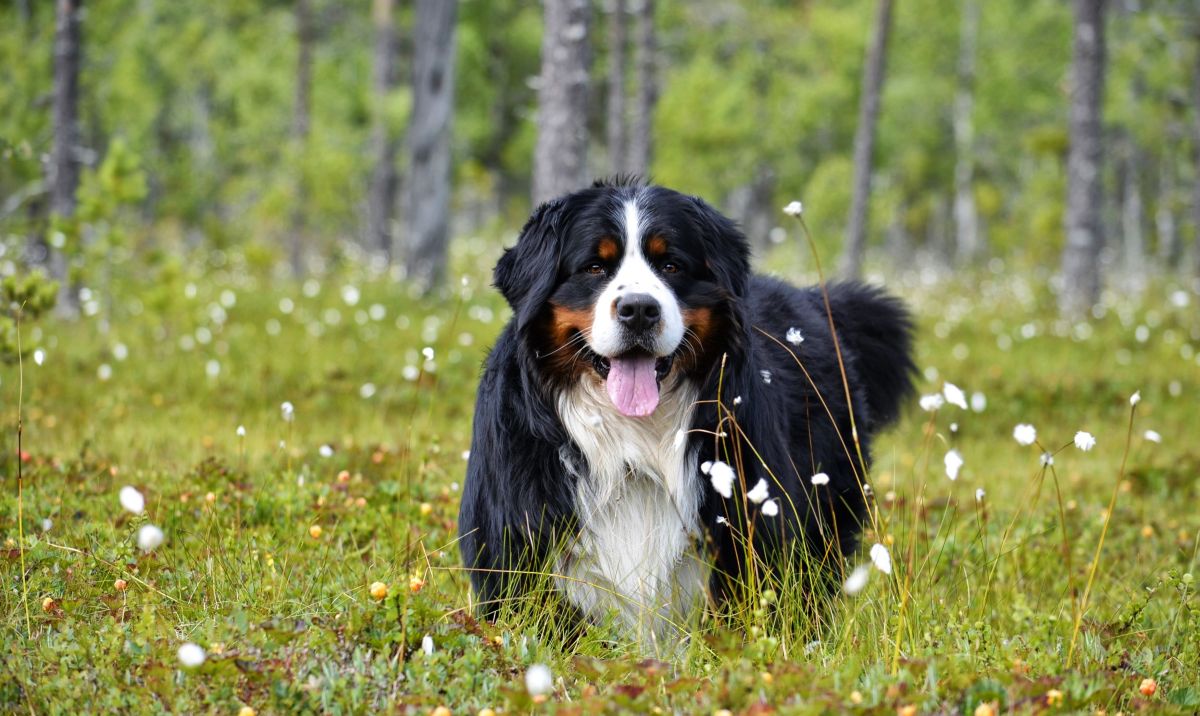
{"x": 607, "y": 249}
{"x": 700, "y": 322}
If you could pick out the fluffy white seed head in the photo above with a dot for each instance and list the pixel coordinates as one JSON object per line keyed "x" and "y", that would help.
{"x": 132, "y": 500}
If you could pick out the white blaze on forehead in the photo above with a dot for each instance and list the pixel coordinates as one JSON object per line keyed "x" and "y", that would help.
{"x": 634, "y": 275}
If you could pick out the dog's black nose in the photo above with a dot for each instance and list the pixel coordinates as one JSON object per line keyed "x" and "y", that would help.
{"x": 638, "y": 311}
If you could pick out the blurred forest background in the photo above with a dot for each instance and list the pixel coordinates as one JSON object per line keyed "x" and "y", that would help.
{"x": 138, "y": 136}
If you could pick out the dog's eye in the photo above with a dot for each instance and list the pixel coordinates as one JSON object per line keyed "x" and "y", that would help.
{"x": 670, "y": 268}
{"x": 596, "y": 269}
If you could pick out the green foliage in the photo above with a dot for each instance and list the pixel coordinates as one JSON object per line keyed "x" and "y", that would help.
{"x": 24, "y": 299}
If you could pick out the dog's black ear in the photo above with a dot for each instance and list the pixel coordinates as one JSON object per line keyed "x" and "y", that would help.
{"x": 726, "y": 251}
{"x": 525, "y": 274}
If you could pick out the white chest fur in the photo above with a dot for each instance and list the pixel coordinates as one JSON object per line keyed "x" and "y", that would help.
{"x": 637, "y": 501}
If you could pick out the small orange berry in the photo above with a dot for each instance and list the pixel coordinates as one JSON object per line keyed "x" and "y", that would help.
{"x": 210, "y": 498}
{"x": 985, "y": 709}
{"x": 343, "y": 476}
{"x": 379, "y": 590}
{"x": 415, "y": 584}
{"x": 485, "y": 711}
{"x": 1148, "y": 687}
{"x": 1054, "y": 697}
{"x": 908, "y": 710}
{"x": 440, "y": 711}
{"x": 426, "y": 509}
{"x": 120, "y": 585}
{"x": 247, "y": 711}
{"x": 315, "y": 531}
{"x": 48, "y": 604}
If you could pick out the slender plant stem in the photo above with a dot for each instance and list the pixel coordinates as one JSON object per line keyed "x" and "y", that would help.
{"x": 1112, "y": 503}
{"x": 21, "y": 476}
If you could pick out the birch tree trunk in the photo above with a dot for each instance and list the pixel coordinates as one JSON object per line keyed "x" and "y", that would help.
{"x": 1132, "y": 216}
{"x": 641, "y": 139}
{"x": 864, "y": 142}
{"x": 1166, "y": 229}
{"x": 62, "y": 172}
{"x": 301, "y": 119}
{"x": 618, "y": 30}
{"x": 1081, "y": 256}
{"x": 1196, "y": 149}
{"x": 560, "y": 157}
{"x": 385, "y": 143}
{"x": 429, "y": 141}
{"x": 967, "y": 238}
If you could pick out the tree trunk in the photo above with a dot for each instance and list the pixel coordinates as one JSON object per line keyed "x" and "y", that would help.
{"x": 1196, "y": 149}
{"x": 429, "y": 141}
{"x": 641, "y": 140}
{"x": 385, "y": 144}
{"x": 967, "y": 238}
{"x": 864, "y": 142}
{"x": 560, "y": 158}
{"x": 1166, "y": 229}
{"x": 1081, "y": 256}
{"x": 618, "y": 40}
{"x": 301, "y": 119}
{"x": 1132, "y": 216}
{"x": 62, "y": 172}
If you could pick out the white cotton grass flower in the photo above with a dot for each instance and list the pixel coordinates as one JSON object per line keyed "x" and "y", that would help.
{"x": 1025, "y": 434}
{"x": 287, "y": 411}
{"x": 979, "y": 494}
{"x": 721, "y": 475}
{"x": 325, "y": 451}
{"x": 427, "y": 645}
{"x": 721, "y": 520}
{"x": 149, "y": 538}
{"x": 39, "y": 356}
{"x": 819, "y": 479}
{"x": 759, "y": 493}
{"x": 857, "y": 580}
{"x": 954, "y": 463}
{"x": 366, "y": 390}
{"x": 241, "y": 431}
{"x": 1135, "y": 398}
{"x": 1152, "y": 436}
{"x": 132, "y": 500}
{"x": 770, "y": 508}
{"x": 932, "y": 402}
{"x": 881, "y": 558}
{"x": 191, "y": 655}
{"x": 794, "y": 336}
{"x": 978, "y": 402}
{"x": 1047, "y": 459}
{"x": 1084, "y": 440}
{"x": 706, "y": 466}
{"x": 954, "y": 395}
{"x": 538, "y": 680}
{"x": 794, "y": 208}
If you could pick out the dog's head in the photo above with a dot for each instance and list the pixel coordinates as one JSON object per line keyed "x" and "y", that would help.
{"x": 624, "y": 284}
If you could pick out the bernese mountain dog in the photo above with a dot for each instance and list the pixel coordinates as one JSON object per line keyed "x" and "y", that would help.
{"x": 655, "y": 421}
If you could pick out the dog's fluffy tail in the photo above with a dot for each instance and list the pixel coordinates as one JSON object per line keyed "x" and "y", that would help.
{"x": 877, "y": 330}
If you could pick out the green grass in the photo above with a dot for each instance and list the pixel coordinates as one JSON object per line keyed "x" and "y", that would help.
{"x": 981, "y": 606}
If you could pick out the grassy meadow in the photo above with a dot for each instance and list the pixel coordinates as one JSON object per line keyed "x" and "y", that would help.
{"x": 273, "y": 539}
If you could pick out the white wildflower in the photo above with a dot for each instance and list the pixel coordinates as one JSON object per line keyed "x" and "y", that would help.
{"x": 737, "y": 400}
{"x": 881, "y": 558}
{"x": 287, "y": 411}
{"x": 538, "y": 680}
{"x": 149, "y": 538}
{"x": 1135, "y": 398}
{"x": 978, "y": 402}
{"x": 1084, "y": 440}
{"x": 770, "y": 508}
{"x": 325, "y": 450}
{"x": 954, "y": 463}
{"x": 241, "y": 431}
{"x": 39, "y": 356}
{"x": 191, "y": 655}
{"x": 759, "y": 493}
{"x": 857, "y": 580}
{"x": 794, "y": 208}
{"x": 1025, "y": 434}
{"x": 132, "y": 500}
{"x": 706, "y": 466}
{"x": 427, "y": 645}
{"x": 979, "y": 494}
{"x": 1047, "y": 459}
{"x": 794, "y": 337}
{"x": 819, "y": 479}
{"x": 1152, "y": 436}
{"x": 721, "y": 520}
{"x": 954, "y": 395}
{"x": 932, "y": 402}
{"x": 721, "y": 476}
{"x": 427, "y": 352}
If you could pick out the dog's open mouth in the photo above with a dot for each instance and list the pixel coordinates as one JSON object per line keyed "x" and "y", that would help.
{"x": 632, "y": 380}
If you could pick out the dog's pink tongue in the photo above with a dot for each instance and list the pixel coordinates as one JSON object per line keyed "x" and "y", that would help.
{"x": 633, "y": 385}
